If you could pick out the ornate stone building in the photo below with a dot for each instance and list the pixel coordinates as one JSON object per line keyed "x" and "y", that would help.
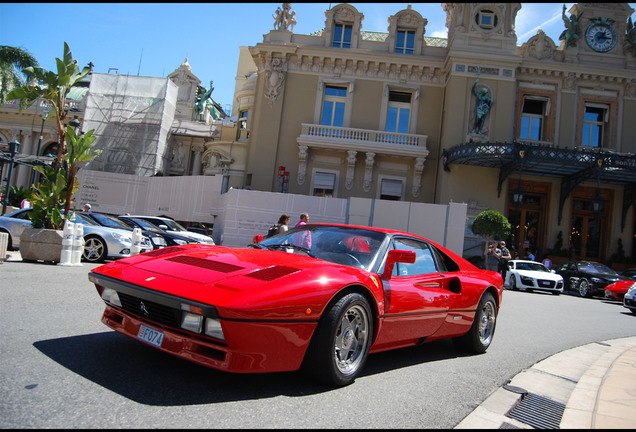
{"x": 472, "y": 118}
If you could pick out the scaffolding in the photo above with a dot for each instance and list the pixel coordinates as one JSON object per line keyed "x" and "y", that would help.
{"x": 131, "y": 116}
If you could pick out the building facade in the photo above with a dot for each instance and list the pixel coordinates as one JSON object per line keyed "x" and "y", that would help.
{"x": 472, "y": 118}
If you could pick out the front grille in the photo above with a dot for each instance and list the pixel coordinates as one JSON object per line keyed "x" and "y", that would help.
{"x": 560, "y": 284}
{"x": 156, "y": 312}
{"x": 545, "y": 283}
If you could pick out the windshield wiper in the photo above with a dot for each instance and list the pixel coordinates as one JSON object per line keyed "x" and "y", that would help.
{"x": 285, "y": 246}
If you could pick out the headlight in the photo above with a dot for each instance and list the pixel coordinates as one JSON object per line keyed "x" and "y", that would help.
{"x": 158, "y": 240}
{"x": 213, "y": 328}
{"x": 192, "y": 322}
{"x": 598, "y": 281}
{"x": 122, "y": 238}
{"x": 180, "y": 242}
{"x": 109, "y": 295}
{"x": 527, "y": 280}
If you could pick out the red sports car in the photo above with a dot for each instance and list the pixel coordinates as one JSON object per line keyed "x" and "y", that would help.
{"x": 617, "y": 290}
{"x": 320, "y": 296}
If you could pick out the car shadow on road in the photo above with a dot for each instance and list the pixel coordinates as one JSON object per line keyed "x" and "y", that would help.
{"x": 148, "y": 376}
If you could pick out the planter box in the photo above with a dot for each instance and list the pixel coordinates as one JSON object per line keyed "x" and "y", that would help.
{"x": 39, "y": 244}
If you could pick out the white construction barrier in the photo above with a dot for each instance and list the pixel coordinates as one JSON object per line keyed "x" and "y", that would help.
{"x": 136, "y": 242}
{"x": 67, "y": 244}
{"x": 78, "y": 245}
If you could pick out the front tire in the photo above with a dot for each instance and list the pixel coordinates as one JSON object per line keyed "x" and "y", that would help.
{"x": 94, "y": 249}
{"x": 340, "y": 347}
{"x": 513, "y": 283}
{"x": 584, "y": 288}
{"x": 479, "y": 337}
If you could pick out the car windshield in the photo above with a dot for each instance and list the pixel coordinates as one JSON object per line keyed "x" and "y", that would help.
{"x": 145, "y": 225}
{"x": 109, "y": 221}
{"x": 593, "y": 267}
{"x": 355, "y": 247}
{"x": 83, "y": 220}
{"x": 174, "y": 226}
{"x": 532, "y": 267}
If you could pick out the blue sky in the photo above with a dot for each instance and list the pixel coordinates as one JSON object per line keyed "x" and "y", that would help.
{"x": 153, "y": 39}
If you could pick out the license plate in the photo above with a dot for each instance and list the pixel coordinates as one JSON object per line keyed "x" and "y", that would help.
{"x": 152, "y": 336}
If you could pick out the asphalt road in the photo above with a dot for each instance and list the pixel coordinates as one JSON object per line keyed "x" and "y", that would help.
{"x": 62, "y": 368}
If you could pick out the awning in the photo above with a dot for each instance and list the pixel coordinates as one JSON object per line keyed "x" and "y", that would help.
{"x": 572, "y": 166}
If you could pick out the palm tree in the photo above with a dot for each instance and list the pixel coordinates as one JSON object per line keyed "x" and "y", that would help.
{"x": 12, "y": 61}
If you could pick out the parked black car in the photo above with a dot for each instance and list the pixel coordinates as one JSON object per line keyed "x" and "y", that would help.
{"x": 158, "y": 240}
{"x": 172, "y": 238}
{"x": 588, "y": 278}
{"x": 630, "y": 273}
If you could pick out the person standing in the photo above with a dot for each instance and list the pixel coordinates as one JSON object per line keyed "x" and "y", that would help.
{"x": 503, "y": 259}
{"x": 492, "y": 257}
{"x": 283, "y": 222}
{"x": 303, "y": 239}
{"x": 87, "y": 208}
{"x": 304, "y": 218}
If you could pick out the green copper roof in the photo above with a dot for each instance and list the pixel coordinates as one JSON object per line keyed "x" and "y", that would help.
{"x": 381, "y": 37}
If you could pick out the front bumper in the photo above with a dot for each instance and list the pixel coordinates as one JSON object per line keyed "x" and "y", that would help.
{"x": 249, "y": 346}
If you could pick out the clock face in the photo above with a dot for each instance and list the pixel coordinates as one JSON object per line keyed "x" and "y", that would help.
{"x": 600, "y": 38}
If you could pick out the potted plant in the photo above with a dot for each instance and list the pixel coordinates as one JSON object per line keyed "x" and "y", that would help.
{"x": 52, "y": 197}
{"x": 44, "y": 240}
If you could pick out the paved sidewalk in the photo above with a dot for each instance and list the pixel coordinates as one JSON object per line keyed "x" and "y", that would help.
{"x": 589, "y": 387}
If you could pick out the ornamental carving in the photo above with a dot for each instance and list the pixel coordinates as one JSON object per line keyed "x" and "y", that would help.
{"x": 539, "y": 46}
{"x": 417, "y": 176}
{"x": 351, "y": 164}
{"x": 368, "y": 171}
{"x": 302, "y": 164}
{"x": 275, "y": 79}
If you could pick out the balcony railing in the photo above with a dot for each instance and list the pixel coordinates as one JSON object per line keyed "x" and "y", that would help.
{"x": 345, "y": 138}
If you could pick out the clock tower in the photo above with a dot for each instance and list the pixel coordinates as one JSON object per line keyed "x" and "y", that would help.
{"x": 600, "y": 36}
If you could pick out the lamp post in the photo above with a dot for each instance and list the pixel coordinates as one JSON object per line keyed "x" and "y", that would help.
{"x": 14, "y": 147}
{"x": 45, "y": 112}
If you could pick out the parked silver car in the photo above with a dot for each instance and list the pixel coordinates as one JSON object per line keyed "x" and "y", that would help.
{"x": 104, "y": 242}
{"x": 14, "y": 223}
{"x": 101, "y": 242}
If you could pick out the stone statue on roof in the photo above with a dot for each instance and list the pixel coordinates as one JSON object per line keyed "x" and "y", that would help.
{"x": 630, "y": 38}
{"x": 572, "y": 32}
{"x": 283, "y": 19}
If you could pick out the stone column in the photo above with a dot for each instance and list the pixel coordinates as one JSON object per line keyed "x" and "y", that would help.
{"x": 368, "y": 171}
{"x": 196, "y": 163}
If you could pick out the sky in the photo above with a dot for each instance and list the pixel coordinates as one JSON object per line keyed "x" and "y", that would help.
{"x": 154, "y": 39}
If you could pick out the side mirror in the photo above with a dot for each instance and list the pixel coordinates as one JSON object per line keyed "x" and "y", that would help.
{"x": 396, "y": 256}
{"x": 163, "y": 227}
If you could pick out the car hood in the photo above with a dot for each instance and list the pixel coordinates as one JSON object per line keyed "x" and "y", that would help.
{"x": 239, "y": 279}
{"x": 539, "y": 274}
{"x": 192, "y": 235}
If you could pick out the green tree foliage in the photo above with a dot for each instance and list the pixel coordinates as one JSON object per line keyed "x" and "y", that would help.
{"x": 53, "y": 88}
{"x": 12, "y": 61}
{"x": 57, "y": 187}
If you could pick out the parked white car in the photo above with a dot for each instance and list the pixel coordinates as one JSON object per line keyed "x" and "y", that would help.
{"x": 533, "y": 276}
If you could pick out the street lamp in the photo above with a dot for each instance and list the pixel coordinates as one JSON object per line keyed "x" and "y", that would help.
{"x": 46, "y": 109}
{"x": 14, "y": 147}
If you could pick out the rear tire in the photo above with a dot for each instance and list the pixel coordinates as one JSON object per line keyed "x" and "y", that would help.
{"x": 480, "y": 335}
{"x": 340, "y": 347}
{"x": 94, "y": 249}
